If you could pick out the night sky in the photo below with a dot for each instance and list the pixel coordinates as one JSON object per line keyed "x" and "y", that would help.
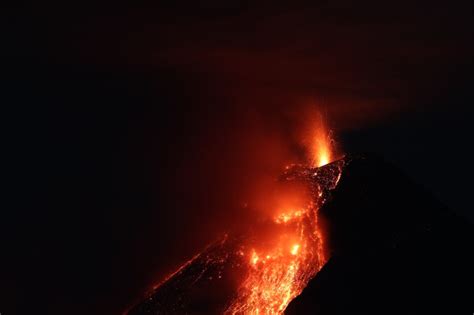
{"x": 134, "y": 132}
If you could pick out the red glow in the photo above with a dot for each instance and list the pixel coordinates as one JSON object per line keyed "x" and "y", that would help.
{"x": 274, "y": 263}
{"x": 279, "y": 271}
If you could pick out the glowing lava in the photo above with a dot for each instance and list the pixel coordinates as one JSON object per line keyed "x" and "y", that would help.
{"x": 263, "y": 271}
{"x": 280, "y": 271}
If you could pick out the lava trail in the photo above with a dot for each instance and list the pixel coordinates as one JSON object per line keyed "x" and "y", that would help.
{"x": 262, "y": 272}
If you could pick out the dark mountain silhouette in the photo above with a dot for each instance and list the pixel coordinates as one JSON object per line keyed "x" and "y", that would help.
{"x": 394, "y": 248}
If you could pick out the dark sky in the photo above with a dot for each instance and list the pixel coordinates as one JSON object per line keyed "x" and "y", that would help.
{"x": 132, "y": 132}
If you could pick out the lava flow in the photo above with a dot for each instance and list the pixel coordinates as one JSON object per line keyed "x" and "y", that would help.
{"x": 260, "y": 272}
{"x": 279, "y": 272}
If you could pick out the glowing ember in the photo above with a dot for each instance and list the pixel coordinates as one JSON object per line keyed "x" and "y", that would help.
{"x": 288, "y": 216}
{"x": 294, "y": 249}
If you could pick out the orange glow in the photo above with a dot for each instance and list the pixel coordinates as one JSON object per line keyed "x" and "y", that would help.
{"x": 280, "y": 271}
{"x": 294, "y": 249}
{"x": 288, "y": 216}
{"x": 321, "y": 145}
{"x": 288, "y": 251}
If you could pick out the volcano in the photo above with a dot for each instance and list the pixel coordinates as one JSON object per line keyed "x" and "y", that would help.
{"x": 388, "y": 247}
